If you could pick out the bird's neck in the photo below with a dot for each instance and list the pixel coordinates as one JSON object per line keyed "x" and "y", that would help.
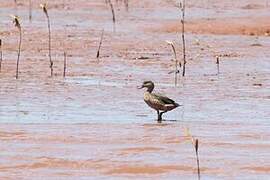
{"x": 150, "y": 89}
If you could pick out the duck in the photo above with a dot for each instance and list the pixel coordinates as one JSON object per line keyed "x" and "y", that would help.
{"x": 161, "y": 104}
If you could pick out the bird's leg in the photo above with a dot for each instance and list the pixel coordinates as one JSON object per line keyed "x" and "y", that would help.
{"x": 159, "y": 117}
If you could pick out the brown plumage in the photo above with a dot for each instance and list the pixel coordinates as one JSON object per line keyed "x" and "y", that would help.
{"x": 156, "y": 101}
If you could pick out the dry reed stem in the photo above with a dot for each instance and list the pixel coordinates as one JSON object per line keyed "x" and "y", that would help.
{"x": 182, "y": 7}
{"x": 126, "y": 4}
{"x": 1, "y": 54}
{"x": 113, "y": 14}
{"x": 197, "y": 157}
{"x": 217, "y": 62}
{"x": 30, "y": 10}
{"x": 100, "y": 43}
{"x": 16, "y": 7}
{"x": 176, "y": 61}
{"x": 65, "y": 64}
{"x": 45, "y": 10}
{"x": 195, "y": 143}
{"x": 17, "y": 24}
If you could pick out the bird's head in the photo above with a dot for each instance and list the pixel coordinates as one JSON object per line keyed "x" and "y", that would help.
{"x": 147, "y": 84}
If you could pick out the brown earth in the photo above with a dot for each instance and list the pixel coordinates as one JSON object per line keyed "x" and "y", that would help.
{"x": 258, "y": 26}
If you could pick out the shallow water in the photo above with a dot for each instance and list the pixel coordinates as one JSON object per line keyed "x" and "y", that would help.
{"x": 224, "y": 97}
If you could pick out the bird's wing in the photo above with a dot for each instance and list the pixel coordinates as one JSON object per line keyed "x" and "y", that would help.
{"x": 164, "y": 99}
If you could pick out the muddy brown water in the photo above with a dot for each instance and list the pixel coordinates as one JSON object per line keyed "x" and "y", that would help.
{"x": 94, "y": 124}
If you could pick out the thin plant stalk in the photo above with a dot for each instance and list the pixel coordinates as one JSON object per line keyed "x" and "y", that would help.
{"x": 197, "y": 157}
{"x": 195, "y": 143}
{"x": 176, "y": 61}
{"x": 100, "y": 43}
{"x": 64, "y": 3}
{"x": 16, "y": 7}
{"x": 50, "y": 54}
{"x": 18, "y": 25}
{"x": 30, "y": 10}
{"x": 113, "y": 14}
{"x": 65, "y": 64}
{"x": 19, "y": 53}
{"x": 217, "y": 62}
{"x": 183, "y": 7}
{"x": 1, "y": 54}
{"x": 176, "y": 69}
{"x": 126, "y": 4}
{"x": 44, "y": 8}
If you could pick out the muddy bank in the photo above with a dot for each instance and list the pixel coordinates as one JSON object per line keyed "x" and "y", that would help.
{"x": 251, "y": 26}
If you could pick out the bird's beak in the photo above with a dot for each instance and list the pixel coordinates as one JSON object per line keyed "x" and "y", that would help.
{"x": 140, "y": 87}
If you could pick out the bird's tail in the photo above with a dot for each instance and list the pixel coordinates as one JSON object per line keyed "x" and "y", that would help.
{"x": 177, "y": 105}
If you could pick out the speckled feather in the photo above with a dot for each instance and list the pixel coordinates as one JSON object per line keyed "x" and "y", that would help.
{"x": 159, "y": 102}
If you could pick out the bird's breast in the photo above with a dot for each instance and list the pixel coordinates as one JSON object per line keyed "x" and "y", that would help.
{"x": 153, "y": 102}
{"x": 147, "y": 97}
